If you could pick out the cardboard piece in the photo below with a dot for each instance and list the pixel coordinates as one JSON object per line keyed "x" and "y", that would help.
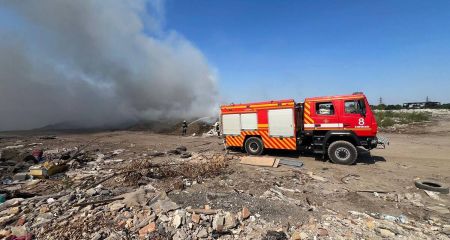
{"x": 260, "y": 161}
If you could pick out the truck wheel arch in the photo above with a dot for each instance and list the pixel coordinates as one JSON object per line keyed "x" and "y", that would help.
{"x": 333, "y": 136}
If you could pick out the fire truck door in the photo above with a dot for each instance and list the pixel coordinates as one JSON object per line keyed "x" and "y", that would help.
{"x": 354, "y": 114}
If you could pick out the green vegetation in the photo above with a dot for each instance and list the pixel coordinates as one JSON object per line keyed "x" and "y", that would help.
{"x": 389, "y": 118}
{"x": 399, "y": 107}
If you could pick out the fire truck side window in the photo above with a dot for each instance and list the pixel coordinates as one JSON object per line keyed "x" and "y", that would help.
{"x": 355, "y": 106}
{"x": 325, "y": 108}
{"x": 351, "y": 107}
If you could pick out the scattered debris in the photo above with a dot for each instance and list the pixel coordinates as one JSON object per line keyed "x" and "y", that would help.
{"x": 143, "y": 191}
{"x": 433, "y": 195}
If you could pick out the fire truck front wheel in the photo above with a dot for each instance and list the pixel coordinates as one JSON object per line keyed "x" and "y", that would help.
{"x": 254, "y": 146}
{"x": 342, "y": 152}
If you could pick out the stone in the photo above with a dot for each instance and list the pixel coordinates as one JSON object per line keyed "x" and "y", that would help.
{"x": 151, "y": 227}
{"x": 96, "y": 236}
{"x": 181, "y": 148}
{"x": 203, "y": 233}
{"x": 385, "y": 233}
{"x": 446, "y": 229}
{"x": 21, "y": 221}
{"x": 20, "y": 176}
{"x": 19, "y": 231}
{"x": 44, "y": 209}
{"x": 195, "y": 218}
{"x": 245, "y": 213}
{"x": 14, "y": 210}
{"x": 104, "y": 192}
{"x": 116, "y": 206}
{"x": 322, "y": 232}
{"x": 164, "y": 218}
{"x": 164, "y": 205}
{"x": 4, "y": 233}
{"x": 91, "y": 192}
{"x": 177, "y": 221}
{"x": 230, "y": 221}
{"x": 439, "y": 209}
{"x": 218, "y": 222}
{"x": 296, "y": 236}
{"x": 300, "y": 236}
{"x": 180, "y": 235}
{"x": 186, "y": 155}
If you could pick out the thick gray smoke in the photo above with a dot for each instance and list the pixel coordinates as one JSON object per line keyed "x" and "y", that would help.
{"x": 96, "y": 63}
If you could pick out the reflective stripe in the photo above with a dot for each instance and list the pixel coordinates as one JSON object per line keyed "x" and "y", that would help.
{"x": 330, "y": 125}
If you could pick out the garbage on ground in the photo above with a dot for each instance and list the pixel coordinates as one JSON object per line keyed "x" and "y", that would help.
{"x": 47, "y": 169}
{"x": 113, "y": 192}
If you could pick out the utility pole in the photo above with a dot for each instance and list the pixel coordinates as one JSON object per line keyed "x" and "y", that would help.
{"x": 427, "y": 99}
{"x": 380, "y": 101}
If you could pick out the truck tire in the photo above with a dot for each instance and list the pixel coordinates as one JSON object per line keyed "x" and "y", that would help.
{"x": 342, "y": 152}
{"x": 254, "y": 146}
{"x": 431, "y": 185}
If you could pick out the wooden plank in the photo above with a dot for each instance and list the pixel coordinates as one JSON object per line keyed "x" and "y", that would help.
{"x": 276, "y": 163}
{"x": 259, "y": 161}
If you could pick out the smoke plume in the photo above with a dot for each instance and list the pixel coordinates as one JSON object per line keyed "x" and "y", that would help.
{"x": 97, "y": 63}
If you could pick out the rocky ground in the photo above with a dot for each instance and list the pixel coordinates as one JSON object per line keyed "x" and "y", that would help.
{"x": 139, "y": 185}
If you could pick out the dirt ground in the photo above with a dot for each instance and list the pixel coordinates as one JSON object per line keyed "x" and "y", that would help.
{"x": 319, "y": 187}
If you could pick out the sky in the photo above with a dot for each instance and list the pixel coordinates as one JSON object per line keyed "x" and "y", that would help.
{"x": 263, "y": 50}
{"x": 97, "y": 63}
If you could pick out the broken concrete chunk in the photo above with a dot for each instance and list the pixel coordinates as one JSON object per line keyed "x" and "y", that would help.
{"x": 20, "y": 177}
{"x": 446, "y": 229}
{"x": 385, "y": 233}
{"x": 19, "y": 231}
{"x": 439, "y": 209}
{"x": 203, "y": 233}
{"x": 116, "y": 206}
{"x": 164, "y": 205}
{"x": 151, "y": 227}
{"x": 177, "y": 220}
{"x": 218, "y": 222}
{"x": 230, "y": 221}
{"x": 245, "y": 213}
{"x": 195, "y": 218}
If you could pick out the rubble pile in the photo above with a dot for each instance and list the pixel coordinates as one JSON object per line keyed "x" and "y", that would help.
{"x": 181, "y": 193}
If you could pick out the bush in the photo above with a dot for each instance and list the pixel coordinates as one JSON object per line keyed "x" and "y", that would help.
{"x": 389, "y": 118}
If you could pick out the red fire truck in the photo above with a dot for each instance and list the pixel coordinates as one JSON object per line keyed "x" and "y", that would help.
{"x": 331, "y": 126}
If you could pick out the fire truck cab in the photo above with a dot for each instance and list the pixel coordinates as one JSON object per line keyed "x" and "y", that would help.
{"x": 331, "y": 126}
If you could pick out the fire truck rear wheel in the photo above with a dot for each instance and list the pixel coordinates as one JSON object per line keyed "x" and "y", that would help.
{"x": 342, "y": 152}
{"x": 254, "y": 146}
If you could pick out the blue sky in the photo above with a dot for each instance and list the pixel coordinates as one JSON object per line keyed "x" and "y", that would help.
{"x": 398, "y": 50}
